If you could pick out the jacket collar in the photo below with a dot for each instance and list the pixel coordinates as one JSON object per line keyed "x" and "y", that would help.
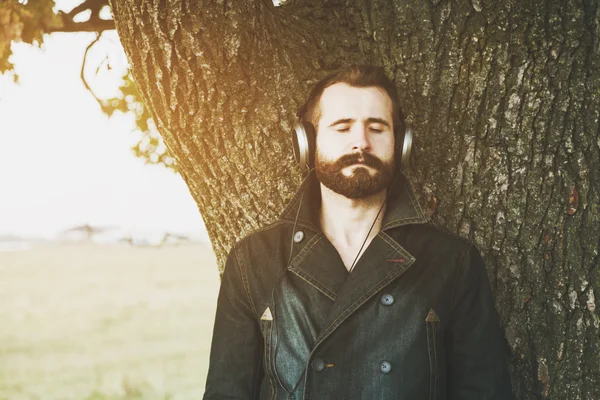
{"x": 402, "y": 206}
{"x": 317, "y": 262}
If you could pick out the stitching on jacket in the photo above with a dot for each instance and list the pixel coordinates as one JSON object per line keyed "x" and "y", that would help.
{"x": 420, "y": 214}
{"x": 300, "y": 256}
{"x": 314, "y": 282}
{"x": 242, "y": 266}
{"x": 395, "y": 245}
{"x": 394, "y": 273}
{"x": 402, "y": 219}
{"x": 304, "y": 221}
{"x": 407, "y": 219}
{"x": 267, "y": 354}
{"x": 433, "y": 360}
{"x": 274, "y": 345}
{"x": 271, "y": 366}
{"x": 305, "y": 182}
{"x": 430, "y": 360}
{"x": 413, "y": 199}
{"x": 435, "y": 384}
{"x": 347, "y": 311}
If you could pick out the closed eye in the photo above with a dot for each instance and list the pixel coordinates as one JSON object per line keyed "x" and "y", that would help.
{"x": 347, "y": 129}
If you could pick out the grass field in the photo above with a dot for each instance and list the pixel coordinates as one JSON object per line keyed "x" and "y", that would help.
{"x": 84, "y": 321}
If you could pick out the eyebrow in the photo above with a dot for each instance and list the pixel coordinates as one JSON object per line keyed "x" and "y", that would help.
{"x": 368, "y": 120}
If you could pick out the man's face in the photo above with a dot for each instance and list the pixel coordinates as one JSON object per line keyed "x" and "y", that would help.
{"x": 355, "y": 140}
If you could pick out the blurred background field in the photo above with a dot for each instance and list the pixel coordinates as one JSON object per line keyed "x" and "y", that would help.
{"x": 108, "y": 283}
{"x": 82, "y": 320}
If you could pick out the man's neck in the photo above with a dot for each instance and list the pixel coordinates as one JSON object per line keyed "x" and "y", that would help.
{"x": 346, "y": 222}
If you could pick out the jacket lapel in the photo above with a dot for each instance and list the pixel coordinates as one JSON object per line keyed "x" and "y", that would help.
{"x": 319, "y": 264}
{"x": 383, "y": 261}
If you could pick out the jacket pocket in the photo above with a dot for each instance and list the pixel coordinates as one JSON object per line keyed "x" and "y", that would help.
{"x": 432, "y": 324}
{"x": 266, "y": 327}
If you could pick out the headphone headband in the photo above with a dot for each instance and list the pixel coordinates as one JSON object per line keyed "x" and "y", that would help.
{"x": 301, "y": 111}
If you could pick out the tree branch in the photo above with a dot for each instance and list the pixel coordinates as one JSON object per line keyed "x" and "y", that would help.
{"x": 93, "y": 24}
{"x": 93, "y": 5}
{"x": 83, "y": 69}
{"x": 99, "y": 25}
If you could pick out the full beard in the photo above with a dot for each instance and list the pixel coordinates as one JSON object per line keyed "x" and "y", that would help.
{"x": 360, "y": 184}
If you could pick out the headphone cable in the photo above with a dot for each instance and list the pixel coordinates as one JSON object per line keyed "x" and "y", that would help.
{"x": 373, "y": 224}
{"x": 276, "y": 348}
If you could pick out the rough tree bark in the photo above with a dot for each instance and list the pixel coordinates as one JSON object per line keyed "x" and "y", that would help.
{"x": 505, "y": 99}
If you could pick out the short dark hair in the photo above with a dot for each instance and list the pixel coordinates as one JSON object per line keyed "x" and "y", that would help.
{"x": 356, "y": 76}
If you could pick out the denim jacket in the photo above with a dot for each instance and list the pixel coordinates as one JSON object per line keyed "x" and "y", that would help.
{"x": 414, "y": 320}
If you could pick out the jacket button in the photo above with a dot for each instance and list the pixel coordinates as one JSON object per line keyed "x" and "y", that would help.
{"x": 298, "y": 236}
{"x": 385, "y": 367}
{"x": 386, "y": 299}
{"x": 317, "y": 364}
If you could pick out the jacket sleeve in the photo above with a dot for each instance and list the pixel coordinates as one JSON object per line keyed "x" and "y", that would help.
{"x": 477, "y": 352}
{"x": 235, "y": 367}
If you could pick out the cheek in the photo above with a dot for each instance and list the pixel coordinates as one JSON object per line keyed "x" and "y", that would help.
{"x": 327, "y": 146}
{"x": 386, "y": 147}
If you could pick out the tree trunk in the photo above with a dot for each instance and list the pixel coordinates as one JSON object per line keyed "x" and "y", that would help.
{"x": 505, "y": 100}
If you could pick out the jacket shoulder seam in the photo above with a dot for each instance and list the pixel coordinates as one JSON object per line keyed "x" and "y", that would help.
{"x": 243, "y": 265}
{"x": 460, "y": 271}
{"x": 244, "y": 274}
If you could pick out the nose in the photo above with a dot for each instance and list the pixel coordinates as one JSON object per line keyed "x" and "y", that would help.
{"x": 360, "y": 138}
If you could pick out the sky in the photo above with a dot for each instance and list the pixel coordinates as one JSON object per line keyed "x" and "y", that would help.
{"x": 64, "y": 163}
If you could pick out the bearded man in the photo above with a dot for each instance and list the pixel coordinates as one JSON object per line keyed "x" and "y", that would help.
{"x": 352, "y": 293}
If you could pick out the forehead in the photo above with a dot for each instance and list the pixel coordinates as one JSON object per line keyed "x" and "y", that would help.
{"x": 341, "y": 100}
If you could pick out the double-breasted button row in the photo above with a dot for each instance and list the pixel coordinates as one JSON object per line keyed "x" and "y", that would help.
{"x": 386, "y": 299}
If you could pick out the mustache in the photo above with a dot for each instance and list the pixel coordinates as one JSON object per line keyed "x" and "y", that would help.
{"x": 354, "y": 158}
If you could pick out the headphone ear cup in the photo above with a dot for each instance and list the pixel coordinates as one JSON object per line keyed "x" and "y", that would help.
{"x": 398, "y": 143}
{"x": 405, "y": 147}
{"x": 303, "y": 143}
{"x": 312, "y": 143}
